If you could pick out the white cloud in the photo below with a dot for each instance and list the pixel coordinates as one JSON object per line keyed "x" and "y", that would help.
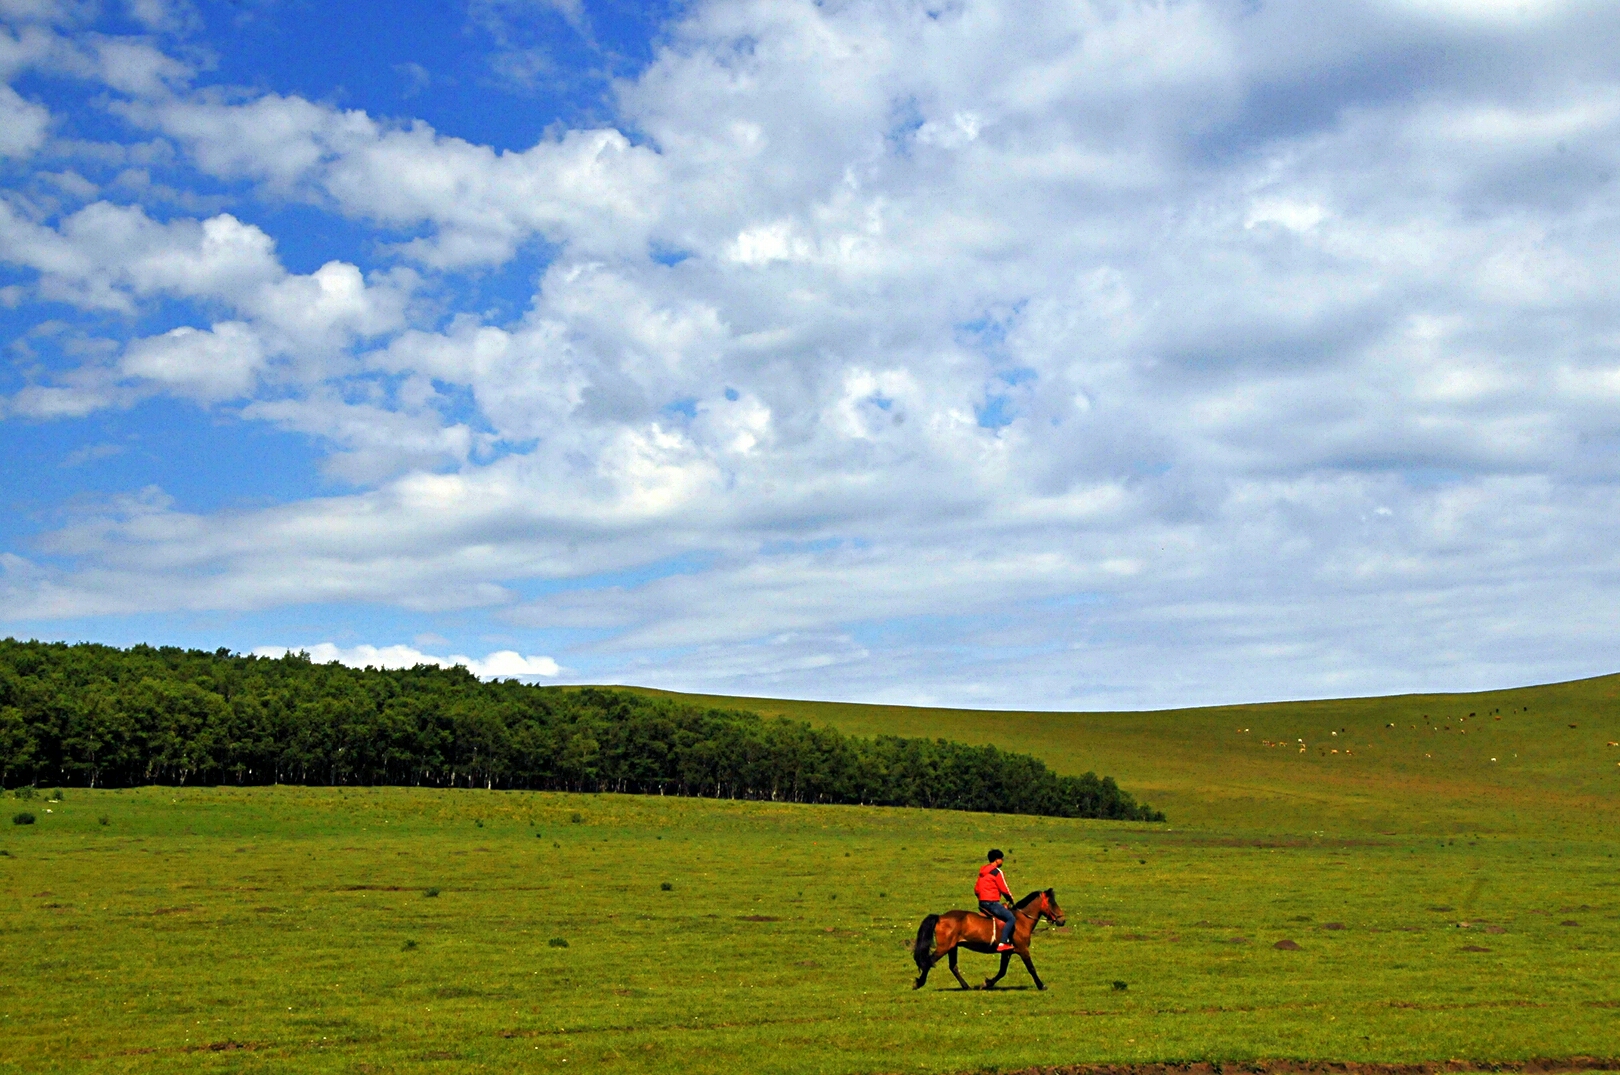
{"x": 502, "y": 664}
{"x": 137, "y": 69}
{"x": 1270, "y": 351}
{"x": 83, "y": 395}
{"x": 162, "y": 16}
{"x": 109, "y": 257}
{"x": 372, "y": 442}
{"x": 590, "y": 188}
{"x": 48, "y": 37}
{"x": 22, "y": 124}
{"x": 216, "y": 364}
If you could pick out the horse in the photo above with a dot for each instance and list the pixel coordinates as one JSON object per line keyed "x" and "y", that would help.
{"x": 977, "y": 932}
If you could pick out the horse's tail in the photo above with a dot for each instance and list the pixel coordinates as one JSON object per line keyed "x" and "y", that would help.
{"x": 925, "y": 941}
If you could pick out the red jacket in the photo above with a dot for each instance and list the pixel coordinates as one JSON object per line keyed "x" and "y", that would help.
{"x": 991, "y": 885}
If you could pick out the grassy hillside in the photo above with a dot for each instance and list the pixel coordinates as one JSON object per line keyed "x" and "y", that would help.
{"x": 1432, "y": 772}
{"x": 402, "y": 930}
{"x": 1438, "y": 905}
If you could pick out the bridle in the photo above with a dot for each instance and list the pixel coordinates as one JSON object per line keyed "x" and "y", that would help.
{"x": 1044, "y": 909}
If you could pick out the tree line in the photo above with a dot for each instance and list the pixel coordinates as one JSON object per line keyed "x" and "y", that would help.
{"x": 98, "y": 716}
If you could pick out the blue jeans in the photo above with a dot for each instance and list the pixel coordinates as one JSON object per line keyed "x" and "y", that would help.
{"x": 997, "y": 909}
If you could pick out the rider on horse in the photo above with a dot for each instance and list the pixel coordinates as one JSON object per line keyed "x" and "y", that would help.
{"x": 991, "y": 889}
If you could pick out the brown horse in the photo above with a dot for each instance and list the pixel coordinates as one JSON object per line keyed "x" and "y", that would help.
{"x": 977, "y": 932}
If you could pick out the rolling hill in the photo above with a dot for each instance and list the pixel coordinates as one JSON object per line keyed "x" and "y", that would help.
{"x": 1525, "y": 760}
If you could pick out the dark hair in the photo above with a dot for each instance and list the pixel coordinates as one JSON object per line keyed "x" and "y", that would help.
{"x": 995, "y": 853}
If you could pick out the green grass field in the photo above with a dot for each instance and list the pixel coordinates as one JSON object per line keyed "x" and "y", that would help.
{"x": 1444, "y": 905}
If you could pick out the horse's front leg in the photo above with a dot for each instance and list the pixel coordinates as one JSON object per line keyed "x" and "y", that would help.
{"x": 990, "y": 983}
{"x": 1029, "y": 964}
{"x": 957, "y": 972}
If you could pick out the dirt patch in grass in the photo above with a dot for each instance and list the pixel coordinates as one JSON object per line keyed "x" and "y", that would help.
{"x": 1472, "y": 1004}
{"x": 1545, "y": 1066}
{"x": 227, "y": 1046}
{"x": 230, "y": 1045}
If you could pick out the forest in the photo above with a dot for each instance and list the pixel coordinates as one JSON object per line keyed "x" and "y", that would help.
{"x": 99, "y": 716}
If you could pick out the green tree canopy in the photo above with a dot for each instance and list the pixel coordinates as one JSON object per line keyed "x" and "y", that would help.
{"x": 100, "y": 716}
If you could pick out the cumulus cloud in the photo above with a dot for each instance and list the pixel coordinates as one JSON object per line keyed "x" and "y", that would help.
{"x": 593, "y": 188}
{"x": 117, "y": 258}
{"x": 107, "y": 256}
{"x": 502, "y": 664}
{"x": 1004, "y": 352}
{"x": 51, "y": 38}
{"x": 162, "y": 16}
{"x": 218, "y": 363}
{"x": 22, "y": 124}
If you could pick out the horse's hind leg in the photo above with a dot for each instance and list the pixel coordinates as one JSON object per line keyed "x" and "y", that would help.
{"x": 990, "y": 983}
{"x": 1029, "y": 964}
{"x": 957, "y": 972}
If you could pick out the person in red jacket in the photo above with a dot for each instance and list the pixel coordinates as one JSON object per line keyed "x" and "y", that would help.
{"x": 991, "y": 890}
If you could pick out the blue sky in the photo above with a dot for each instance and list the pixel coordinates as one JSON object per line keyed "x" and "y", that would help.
{"x": 1073, "y": 355}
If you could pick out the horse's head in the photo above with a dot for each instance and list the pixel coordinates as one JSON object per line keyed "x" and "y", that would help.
{"x": 1050, "y": 908}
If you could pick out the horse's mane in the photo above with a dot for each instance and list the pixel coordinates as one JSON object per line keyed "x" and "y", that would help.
{"x": 1033, "y": 896}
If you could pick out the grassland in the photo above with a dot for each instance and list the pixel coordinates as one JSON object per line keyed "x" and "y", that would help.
{"x": 286, "y": 929}
{"x": 1440, "y": 764}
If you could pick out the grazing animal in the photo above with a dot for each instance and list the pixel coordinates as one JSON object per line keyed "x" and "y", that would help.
{"x": 940, "y": 936}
